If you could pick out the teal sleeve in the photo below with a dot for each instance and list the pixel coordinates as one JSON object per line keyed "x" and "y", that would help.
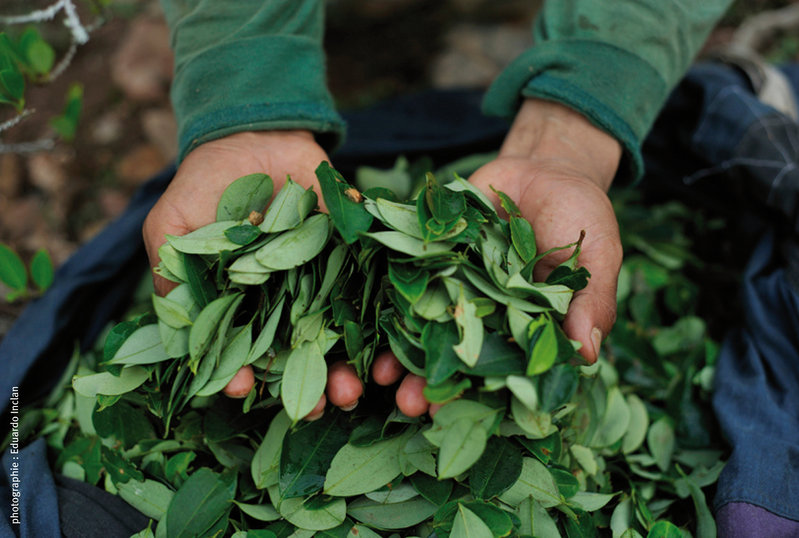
{"x": 248, "y": 65}
{"x": 613, "y": 61}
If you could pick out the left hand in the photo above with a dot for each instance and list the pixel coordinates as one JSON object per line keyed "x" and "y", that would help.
{"x": 190, "y": 202}
{"x": 557, "y": 168}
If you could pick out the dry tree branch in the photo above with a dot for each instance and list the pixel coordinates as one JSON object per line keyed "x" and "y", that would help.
{"x": 71, "y": 20}
{"x": 755, "y": 31}
{"x": 79, "y": 34}
{"x": 8, "y": 124}
{"x": 34, "y": 146}
{"x": 43, "y": 144}
{"x": 40, "y": 15}
{"x": 62, "y": 65}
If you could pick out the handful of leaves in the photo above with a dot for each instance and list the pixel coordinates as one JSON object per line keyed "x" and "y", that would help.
{"x": 526, "y": 444}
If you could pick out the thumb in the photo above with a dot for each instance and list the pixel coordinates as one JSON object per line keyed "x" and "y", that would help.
{"x": 157, "y": 225}
{"x": 593, "y": 309}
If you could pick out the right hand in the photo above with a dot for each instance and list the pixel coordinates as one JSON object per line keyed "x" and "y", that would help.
{"x": 557, "y": 167}
{"x": 190, "y": 202}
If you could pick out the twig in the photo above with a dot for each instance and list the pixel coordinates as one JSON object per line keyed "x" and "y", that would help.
{"x": 8, "y": 124}
{"x": 753, "y": 32}
{"x": 71, "y": 20}
{"x": 35, "y": 146}
{"x": 79, "y": 33}
{"x": 40, "y": 15}
{"x": 63, "y": 63}
{"x": 95, "y": 24}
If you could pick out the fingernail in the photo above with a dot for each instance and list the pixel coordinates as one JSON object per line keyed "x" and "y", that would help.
{"x": 316, "y": 416}
{"x": 596, "y": 339}
{"x": 349, "y": 407}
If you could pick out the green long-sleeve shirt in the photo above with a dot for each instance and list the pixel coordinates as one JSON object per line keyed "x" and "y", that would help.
{"x": 249, "y": 65}
{"x": 255, "y": 65}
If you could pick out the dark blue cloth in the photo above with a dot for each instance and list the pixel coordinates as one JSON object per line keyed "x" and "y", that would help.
{"x": 743, "y": 520}
{"x": 26, "y": 476}
{"x": 756, "y": 394}
{"x": 89, "y": 289}
{"x": 92, "y": 286}
{"x": 715, "y": 142}
{"x": 443, "y": 125}
{"x": 718, "y": 145}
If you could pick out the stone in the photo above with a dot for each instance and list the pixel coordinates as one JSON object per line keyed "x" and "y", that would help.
{"x": 139, "y": 165}
{"x": 46, "y": 172}
{"x": 10, "y": 175}
{"x": 21, "y": 217}
{"x": 476, "y": 54}
{"x": 161, "y": 130}
{"x": 142, "y": 65}
{"x": 504, "y": 10}
{"x": 56, "y": 245}
{"x": 107, "y": 129}
{"x": 112, "y": 202}
{"x": 91, "y": 230}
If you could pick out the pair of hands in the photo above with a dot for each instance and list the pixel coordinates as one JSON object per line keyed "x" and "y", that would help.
{"x": 554, "y": 164}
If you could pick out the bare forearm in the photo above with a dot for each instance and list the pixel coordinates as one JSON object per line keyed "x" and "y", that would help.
{"x": 555, "y": 135}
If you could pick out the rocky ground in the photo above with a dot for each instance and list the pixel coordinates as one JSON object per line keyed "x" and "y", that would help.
{"x": 59, "y": 199}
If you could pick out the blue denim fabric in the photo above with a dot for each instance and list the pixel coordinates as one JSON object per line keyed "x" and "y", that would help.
{"x": 738, "y": 153}
{"x": 757, "y": 388}
{"x": 716, "y": 142}
{"x": 38, "y": 504}
{"x": 92, "y": 286}
{"x": 89, "y": 289}
{"x": 742, "y": 520}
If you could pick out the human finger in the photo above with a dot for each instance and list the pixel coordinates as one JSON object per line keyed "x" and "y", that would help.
{"x": 592, "y": 311}
{"x": 343, "y": 386}
{"x": 410, "y": 398}
{"x": 386, "y": 369}
{"x": 241, "y": 384}
{"x": 319, "y": 410}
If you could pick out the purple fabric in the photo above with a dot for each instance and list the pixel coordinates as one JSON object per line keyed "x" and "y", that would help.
{"x": 744, "y": 520}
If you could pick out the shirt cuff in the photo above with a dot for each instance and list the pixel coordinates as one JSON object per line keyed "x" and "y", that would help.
{"x": 236, "y": 87}
{"x": 616, "y": 90}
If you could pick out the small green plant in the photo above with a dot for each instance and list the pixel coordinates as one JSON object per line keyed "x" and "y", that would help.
{"x": 14, "y": 274}
{"x": 66, "y": 124}
{"x": 26, "y": 59}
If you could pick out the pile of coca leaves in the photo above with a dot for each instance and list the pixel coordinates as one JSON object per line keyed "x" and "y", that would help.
{"x": 527, "y": 443}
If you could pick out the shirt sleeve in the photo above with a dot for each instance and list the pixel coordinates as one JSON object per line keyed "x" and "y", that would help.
{"x": 615, "y": 62}
{"x": 249, "y": 65}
